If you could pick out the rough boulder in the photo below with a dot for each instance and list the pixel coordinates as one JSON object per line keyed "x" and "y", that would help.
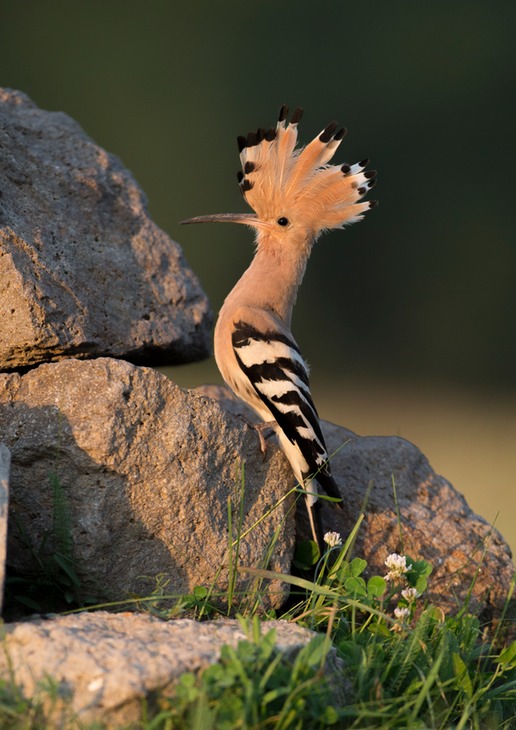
{"x": 84, "y": 270}
{"x": 142, "y": 474}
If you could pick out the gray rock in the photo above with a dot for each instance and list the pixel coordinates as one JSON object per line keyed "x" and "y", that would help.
{"x": 146, "y": 471}
{"x": 106, "y": 664}
{"x": 84, "y": 270}
{"x": 5, "y": 462}
{"x": 436, "y": 523}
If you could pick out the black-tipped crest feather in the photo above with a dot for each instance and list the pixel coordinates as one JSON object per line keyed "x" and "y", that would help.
{"x": 283, "y": 113}
{"x": 327, "y": 132}
{"x": 301, "y": 182}
{"x": 297, "y": 115}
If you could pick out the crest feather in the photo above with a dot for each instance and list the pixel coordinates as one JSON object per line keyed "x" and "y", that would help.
{"x": 279, "y": 180}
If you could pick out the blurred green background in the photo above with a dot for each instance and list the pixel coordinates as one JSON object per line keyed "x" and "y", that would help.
{"x": 407, "y": 319}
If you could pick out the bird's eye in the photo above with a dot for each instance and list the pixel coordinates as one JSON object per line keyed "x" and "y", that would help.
{"x": 282, "y": 221}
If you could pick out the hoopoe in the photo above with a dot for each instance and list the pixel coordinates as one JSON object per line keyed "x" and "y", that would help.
{"x": 296, "y": 196}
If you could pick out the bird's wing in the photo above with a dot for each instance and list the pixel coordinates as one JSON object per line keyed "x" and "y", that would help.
{"x": 272, "y": 361}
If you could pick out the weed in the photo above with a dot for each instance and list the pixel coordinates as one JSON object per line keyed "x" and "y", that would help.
{"x": 56, "y": 584}
{"x": 255, "y": 686}
{"x": 405, "y": 664}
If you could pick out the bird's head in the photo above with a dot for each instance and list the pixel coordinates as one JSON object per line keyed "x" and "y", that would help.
{"x": 295, "y": 193}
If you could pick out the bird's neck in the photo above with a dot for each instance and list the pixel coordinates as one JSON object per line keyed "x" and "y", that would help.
{"x": 272, "y": 280}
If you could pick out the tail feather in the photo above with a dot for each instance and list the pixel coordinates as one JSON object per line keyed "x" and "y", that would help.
{"x": 328, "y": 483}
{"x": 313, "y": 503}
{"x": 314, "y": 517}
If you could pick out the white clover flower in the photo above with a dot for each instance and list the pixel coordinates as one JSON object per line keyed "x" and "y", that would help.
{"x": 401, "y": 613}
{"x": 410, "y": 594}
{"x": 332, "y": 539}
{"x": 397, "y": 565}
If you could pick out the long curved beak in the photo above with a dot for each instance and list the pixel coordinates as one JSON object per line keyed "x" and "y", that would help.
{"x": 247, "y": 219}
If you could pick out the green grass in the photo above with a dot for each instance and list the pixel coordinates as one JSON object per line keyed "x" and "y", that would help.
{"x": 402, "y": 663}
{"x": 254, "y": 686}
{"x": 55, "y": 585}
{"x": 405, "y": 664}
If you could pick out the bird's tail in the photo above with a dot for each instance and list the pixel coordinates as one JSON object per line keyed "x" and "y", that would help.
{"x": 313, "y": 503}
{"x": 314, "y": 517}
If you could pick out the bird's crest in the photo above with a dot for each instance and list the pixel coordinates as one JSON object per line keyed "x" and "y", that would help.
{"x": 282, "y": 182}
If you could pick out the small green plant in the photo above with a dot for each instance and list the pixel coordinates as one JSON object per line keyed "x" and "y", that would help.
{"x": 21, "y": 713}
{"x": 409, "y": 665}
{"x": 405, "y": 663}
{"x": 254, "y": 685}
{"x": 56, "y": 584}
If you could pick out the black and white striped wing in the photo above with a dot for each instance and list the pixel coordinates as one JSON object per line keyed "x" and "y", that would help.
{"x": 275, "y": 368}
